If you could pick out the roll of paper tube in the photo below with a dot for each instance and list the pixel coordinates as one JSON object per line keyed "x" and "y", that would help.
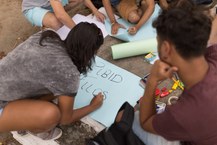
{"x": 134, "y": 48}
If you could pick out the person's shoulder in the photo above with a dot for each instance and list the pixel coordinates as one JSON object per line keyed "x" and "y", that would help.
{"x": 35, "y": 36}
{"x": 61, "y": 62}
{"x": 68, "y": 67}
{"x": 212, "y": 46}
{"x": 211, "y": 51}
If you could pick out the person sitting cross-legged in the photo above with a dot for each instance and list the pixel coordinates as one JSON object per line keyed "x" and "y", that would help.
{"x": 52, "y": 13}
{"x": 128, "y": 10}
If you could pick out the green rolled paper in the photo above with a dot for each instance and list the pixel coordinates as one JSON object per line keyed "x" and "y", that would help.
{"x": 134, "y": 48}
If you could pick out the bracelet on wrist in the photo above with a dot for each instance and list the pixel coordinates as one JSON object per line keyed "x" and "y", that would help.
{"x": 113, "y": 23}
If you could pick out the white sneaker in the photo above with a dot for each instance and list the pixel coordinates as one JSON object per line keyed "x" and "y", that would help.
{"x": 53, "y": 134}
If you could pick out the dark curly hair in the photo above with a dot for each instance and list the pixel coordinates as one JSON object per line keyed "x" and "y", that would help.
{"x": 81, "y": 44}
{"x": 187, "y": 28}
{"x": 187, "y": 5}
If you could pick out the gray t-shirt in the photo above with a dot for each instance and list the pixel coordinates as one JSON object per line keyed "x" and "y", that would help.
{"x": 29, "y": 4}
{"x": 31, "y": 70}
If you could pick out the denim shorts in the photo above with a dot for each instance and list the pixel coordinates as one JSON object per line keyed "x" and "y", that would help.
{"x": 1, "y": 110}
{"x": 114, "y": 3}
{"x": 35, "y": 16}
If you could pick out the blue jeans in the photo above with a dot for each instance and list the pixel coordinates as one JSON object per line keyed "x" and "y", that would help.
{"x": 149, "y": 138}
{"x": 115, "y": 2}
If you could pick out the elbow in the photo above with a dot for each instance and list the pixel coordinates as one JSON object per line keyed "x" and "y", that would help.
{"x": 152, "y": 8}
{"x": 142, "y": 124}
{"x": 67, "y": 121}
{"x": 59, "y": 17}
{"x": 147, "y": 126}
{"x": 104, "y": 2}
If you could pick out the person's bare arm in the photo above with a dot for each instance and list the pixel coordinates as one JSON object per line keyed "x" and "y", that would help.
{"x": 146, "y": 15}
{"x": 160, "y": 71}
{"x": 213, "y": 34}
{"x": 147, "y": 106}
{"x": 72, "y": 4}
{"x": 109, "y": 11}
{"x": 61, "y": 14}
{"x": 68, "y": 115}
{"x": 100, "y": 16}
{"x": 114, "y": 24}
{"x": 163, "y": 4}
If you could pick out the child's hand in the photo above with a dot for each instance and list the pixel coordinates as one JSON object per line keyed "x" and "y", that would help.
{"x": 100, "y": 16}
{"x": 161, "y": 71}
{"x": 132, "y": 30}
{"x": 115, "y": 28}
{"x": 97, "y": 101}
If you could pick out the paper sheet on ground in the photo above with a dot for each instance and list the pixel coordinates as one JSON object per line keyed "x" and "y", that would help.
{"x": 63, "y": 31}
{"x": 29, "y": 139}
{"x": 117, "y": 85}
{"x": 145, "y": 32}
{"x": 103, "y": 11}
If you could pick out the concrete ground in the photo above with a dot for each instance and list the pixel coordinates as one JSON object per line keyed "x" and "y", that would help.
{"x": 14, "y": 29}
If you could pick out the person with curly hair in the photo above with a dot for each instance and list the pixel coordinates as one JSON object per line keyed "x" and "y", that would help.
{"x": 44, "y": 68}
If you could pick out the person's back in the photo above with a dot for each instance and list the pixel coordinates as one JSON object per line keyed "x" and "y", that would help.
{"x": 44, "y": 68}
{"x": 31, "y": 69}
{"x": 195, "y": 113}
{"x": 182, "y": 34}
{"x": 193, "y": 117}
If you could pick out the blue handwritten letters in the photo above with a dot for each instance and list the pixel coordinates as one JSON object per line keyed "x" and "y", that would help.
{"x": 117, "y": 86}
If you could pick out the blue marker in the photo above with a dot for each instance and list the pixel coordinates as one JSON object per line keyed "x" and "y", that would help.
{"x": 143, "y": 80}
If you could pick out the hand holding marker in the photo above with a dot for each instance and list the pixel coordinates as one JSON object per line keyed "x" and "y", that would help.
{"x": 143, "y": 80}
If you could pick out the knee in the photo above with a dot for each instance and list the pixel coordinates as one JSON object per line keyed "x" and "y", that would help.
{"x": 52, "y": 22}
{"x": 50, "y": 117}
{"x": 133, "y": 17}
{"x": 55, "y": 24}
